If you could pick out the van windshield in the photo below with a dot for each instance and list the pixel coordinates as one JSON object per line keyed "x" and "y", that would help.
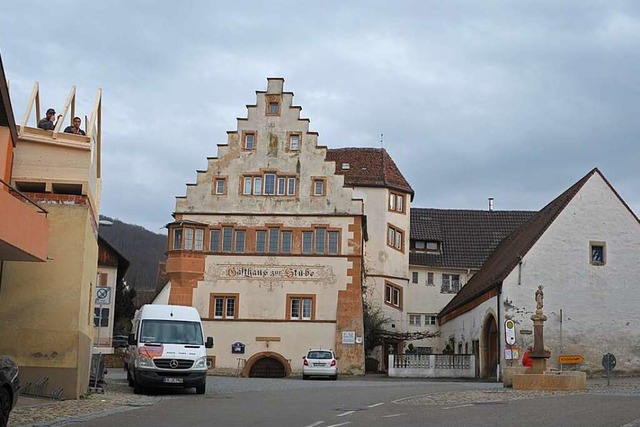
{"x": 171, "y": 332}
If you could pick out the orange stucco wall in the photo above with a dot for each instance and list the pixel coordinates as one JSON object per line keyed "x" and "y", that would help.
{"x": 23, "y": 227}
{"x": 6, "y": 154}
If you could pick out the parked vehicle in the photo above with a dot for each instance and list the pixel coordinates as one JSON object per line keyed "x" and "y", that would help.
{"x": 167, "y": 349}
{"x": 120, "y": 341}
{"x": 9, "y": 386}
{"x": 320, "y": 363}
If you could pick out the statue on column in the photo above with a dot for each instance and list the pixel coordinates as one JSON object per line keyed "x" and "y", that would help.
{"x": 539, "y": 298}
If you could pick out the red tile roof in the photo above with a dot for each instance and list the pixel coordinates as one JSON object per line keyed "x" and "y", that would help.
{"x": 509, "y": 252}
{"x": 368, "y": 167}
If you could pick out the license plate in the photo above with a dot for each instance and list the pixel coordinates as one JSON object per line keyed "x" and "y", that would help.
{"x": 320, "y": 364}
{"x": 172, "y": 380}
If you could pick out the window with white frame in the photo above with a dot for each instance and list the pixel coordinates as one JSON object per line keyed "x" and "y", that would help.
{"x": 430, "y": 319}
{"x": 430, "y": 281}
{"x": 188, "y": 239}
{"x": 450, "y": 283}
{"x": 220, "y": 186}
{"x": 318, "y": 187}
{"x": 396, "y": 202}
{"x": 294, "y": 142}
{"x": 227, "y": 239}
{"x": 300, "y": 307}
{"x": 395, "y": 238}
{"x": 199, "y": 243}
{"x": 286, "y": 237}
{"x": 177, "y": 239}
{"x": 393, "y": 295}
{"x": 101, "y": 317}
{"x": 225, "y": 306}
{"x": 268, "y": 184}
{"x": 249, "y": 142}
{"x": 415, "y": 319}
{"x": 261, "y": 241}
{"x": 414, "y": 277}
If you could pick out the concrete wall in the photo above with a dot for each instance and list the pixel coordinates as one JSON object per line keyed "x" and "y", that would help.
{"x": 46, "y": 308}
{"x": 599, "y": 303}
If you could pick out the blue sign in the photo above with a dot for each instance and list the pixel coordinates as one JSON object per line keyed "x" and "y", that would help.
{"x": 237, "y": 348}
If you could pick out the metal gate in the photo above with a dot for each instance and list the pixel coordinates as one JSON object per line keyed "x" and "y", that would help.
{"x": 267, "y": 367}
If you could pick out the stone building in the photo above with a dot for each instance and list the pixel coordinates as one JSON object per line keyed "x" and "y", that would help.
{"x": 268, "y": 245}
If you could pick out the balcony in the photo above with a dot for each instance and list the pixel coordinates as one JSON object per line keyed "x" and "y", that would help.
{"x": 24, "y": 227}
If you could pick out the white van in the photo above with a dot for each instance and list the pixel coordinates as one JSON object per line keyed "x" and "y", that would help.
{"x": 167, "y": 349}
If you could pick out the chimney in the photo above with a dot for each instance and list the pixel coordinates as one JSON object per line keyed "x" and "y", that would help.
{"x": 490, "y": 204}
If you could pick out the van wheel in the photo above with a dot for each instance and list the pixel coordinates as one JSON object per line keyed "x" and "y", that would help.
{"x": 137, "y": 388}
{"x": 305, "y": 377}
{"x": 201, "y": 388}
{"x": 5, "y": 406}
{"x": 334, "y": 377}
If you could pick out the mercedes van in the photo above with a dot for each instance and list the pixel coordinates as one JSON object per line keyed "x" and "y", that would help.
{"x": 167, "y": 349}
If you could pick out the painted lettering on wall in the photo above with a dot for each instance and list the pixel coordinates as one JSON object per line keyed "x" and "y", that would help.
{"x": 242, "y": 272}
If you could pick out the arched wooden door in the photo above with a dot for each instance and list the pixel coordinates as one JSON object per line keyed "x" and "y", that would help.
{"x": 489, "y": 347}
{"x": 267, "y": 367}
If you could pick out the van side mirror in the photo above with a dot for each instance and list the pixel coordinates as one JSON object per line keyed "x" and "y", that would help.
{"x": 132, "y": 339}
{"x": 209, "y": 343}
{"x": 304, "y": 357}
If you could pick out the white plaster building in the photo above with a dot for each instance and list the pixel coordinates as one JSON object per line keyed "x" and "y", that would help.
{"x": 584, "y": 248}
{"x": 448, "y": 246}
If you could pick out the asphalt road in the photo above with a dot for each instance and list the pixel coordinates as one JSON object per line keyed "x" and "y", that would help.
{"x": 377, "y": 402}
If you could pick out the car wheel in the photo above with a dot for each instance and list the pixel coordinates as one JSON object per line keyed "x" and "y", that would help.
{"x": 305, "y": 377}
{"x": 334, "y": 377}
{"x": 5, "y": 406}
{"x": 201, "y": 388}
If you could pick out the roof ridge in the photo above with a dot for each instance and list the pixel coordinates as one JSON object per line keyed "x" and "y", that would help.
{"x": 506, "y": 255}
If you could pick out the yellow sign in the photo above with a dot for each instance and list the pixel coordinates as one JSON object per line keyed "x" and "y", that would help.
{"x": 569, "y": 359}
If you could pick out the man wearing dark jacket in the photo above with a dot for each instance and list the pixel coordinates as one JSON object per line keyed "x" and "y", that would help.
{"x": 48, "y": 122}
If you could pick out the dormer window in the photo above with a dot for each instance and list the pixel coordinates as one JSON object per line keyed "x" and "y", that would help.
{"x": 425, "y": 245}
{"x": 346, "y": 166}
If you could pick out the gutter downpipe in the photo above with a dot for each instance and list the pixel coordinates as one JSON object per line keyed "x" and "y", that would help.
{"x": 498, "y": 293}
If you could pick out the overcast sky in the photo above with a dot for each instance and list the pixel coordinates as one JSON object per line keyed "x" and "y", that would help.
{"x": 476, "y": 99}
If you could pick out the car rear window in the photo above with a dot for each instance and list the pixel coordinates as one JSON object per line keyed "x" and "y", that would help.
{"x": 319, "y": 355}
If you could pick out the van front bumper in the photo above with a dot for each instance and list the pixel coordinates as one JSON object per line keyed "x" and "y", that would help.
{"x": 170, "y": 379}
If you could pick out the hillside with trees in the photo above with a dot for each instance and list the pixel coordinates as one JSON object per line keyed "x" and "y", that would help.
{"x": 144, "y": 249}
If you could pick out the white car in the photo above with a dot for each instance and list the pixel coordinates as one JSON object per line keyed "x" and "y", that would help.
{"x": 320, "y": 363}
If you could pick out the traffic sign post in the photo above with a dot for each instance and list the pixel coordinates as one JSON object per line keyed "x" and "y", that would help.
{"x": 608, "y": 363}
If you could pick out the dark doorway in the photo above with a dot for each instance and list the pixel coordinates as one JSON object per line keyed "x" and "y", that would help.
{"x": 476, "y": 355}
{"x": 489, "y": 347}
{"x": 267, "y": 367}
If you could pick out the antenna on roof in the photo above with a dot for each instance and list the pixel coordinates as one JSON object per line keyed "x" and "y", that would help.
{"x": 382, "y": 140}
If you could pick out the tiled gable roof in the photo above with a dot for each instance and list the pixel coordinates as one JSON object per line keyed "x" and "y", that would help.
{"x": 468, "y": 237}
{"x": 508, "y": 253}
{"x": 368, "y": 167}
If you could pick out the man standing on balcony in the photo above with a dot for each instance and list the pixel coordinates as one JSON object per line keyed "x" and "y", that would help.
{"x": 48, "y": 122}
{"x": 75, "y": 128}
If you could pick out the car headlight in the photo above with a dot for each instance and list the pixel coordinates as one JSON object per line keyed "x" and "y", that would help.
{"x": 145, "y": 362}
{"x": 201, "y": 363}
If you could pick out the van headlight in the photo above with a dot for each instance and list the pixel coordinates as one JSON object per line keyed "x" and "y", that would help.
{"x": 201, "y": 363}
{"x": 145, "y": 362}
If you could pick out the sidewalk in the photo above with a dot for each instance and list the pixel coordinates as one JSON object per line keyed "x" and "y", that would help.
{"x": 118, "y": 397}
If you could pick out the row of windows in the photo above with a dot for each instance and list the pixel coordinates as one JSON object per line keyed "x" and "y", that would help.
{"x": 450, "y": 282}
{"x": 270, "y": 184}
{"x": 272, "y": 240}
{"x": 417, "y": 319}
{"x": 249, "y": 140}
{"x": 299, "y": 307}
